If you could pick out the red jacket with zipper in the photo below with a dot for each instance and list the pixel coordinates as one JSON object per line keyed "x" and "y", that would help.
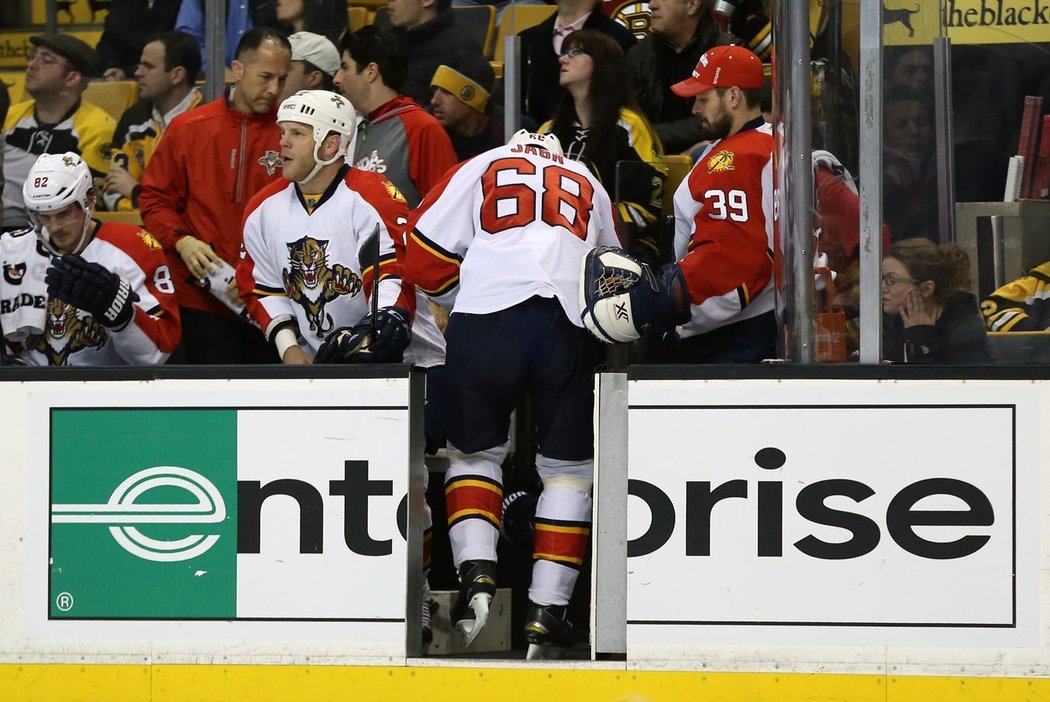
{"x": 209, "y": 164}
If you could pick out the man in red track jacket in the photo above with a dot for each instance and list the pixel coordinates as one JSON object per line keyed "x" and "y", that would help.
{"x": 209, "y": 164}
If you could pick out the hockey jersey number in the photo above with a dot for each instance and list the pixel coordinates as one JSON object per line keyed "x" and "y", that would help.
{"x": 731, "y": 205}
{"x": 509, "y": 202}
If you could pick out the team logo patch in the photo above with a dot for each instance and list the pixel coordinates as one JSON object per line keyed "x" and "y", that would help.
{"x": 634, "y": 16}
{"x": 338, "y": 101}
{"x": 271, "y": 160}
{"x": 65, "y": 333}
{"x": 721, "y": 162}
{"x": 311, "y": 283}
{"x": 466, "y": 93}
{"x": 14, "y": 274}
{"x": 149, "y": 240}
{"x": 69, "y": 161}
{"x": 393, "y": 191}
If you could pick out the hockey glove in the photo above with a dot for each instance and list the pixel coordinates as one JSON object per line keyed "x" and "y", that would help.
{"x": 358, "y": 344}
{"x": 90, "y": 287}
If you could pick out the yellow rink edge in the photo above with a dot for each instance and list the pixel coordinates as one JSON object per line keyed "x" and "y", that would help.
{"x": 284, "y": 683}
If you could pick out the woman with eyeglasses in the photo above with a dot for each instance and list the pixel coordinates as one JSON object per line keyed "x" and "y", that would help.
{"x": 928, "y": 315}
{"x": 598, "y": 122}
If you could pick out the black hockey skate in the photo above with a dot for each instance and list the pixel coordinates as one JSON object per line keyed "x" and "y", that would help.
{"x": 548, "y": 632}
{"x": 476, "y": 590}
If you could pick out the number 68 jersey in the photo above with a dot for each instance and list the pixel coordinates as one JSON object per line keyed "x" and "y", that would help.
{"x": 532, "y": 217}
{"x": 724, "y": 230}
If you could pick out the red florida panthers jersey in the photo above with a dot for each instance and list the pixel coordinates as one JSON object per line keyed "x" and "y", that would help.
{"x": 509, "y": 224}
{"x": 724, "y": 230}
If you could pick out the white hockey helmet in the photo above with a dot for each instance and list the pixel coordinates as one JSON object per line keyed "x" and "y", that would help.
{"x": 55, "y": 182}
{"x": 548, "y": 142}
{"x": 326, "y": 112}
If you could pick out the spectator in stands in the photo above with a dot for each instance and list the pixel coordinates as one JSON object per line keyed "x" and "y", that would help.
{"x": 207, "y": 167}
{"x": 1022, "y": 304}
{"x": 680, "y": 32}
{"x": 315, "y": 61}
{"x": 599, "y": 122}
{"x": 462, "y": 103}
{"x": 325, "y": 17}
{"x": 166, "y": 75}
{"x": 542, "y": 45}
{"x": 910, "y": 68}
{"x": 128, "y": 26}
{"x": 928, "y": 316}
{"x": 55, "y": 120}
{"x": 909, "y": 162}
{"x": 397, "y": 137}
{"x": 240, "y": 17}
{"x": 430, "y": 34}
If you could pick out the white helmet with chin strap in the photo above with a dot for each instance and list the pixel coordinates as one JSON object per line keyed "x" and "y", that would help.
{"x": 55, "y": 182}
{"x": 548, "y": 142}
{"x": 326, "y": 112}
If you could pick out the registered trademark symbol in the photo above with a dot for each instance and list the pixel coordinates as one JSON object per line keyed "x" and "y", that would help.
{"x": 64, "y": 601}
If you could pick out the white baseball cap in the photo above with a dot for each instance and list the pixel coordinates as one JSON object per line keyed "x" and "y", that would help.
{"x": 318, "y": 50}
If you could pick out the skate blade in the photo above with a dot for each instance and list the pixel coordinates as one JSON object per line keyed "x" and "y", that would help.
{"x": 470, "y": 628}
{"x": 543, "y": 652}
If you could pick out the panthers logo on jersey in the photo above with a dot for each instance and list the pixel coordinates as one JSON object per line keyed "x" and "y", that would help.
{"x": 270, "y": 160}
{"x": 721, "y": 162}
{"x": 394, "y": 193}
{"x": 311, "y": 283}
{"x": 65, "y": 333}
{"x": 149, "y": 240}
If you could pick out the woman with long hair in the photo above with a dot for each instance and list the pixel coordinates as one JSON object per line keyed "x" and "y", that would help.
{"x": 598, "y": 122}
{"x": 928, "y": 315}
{"x": 325, "y": 17}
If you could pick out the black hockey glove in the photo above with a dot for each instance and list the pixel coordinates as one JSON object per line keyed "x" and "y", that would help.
{"x": 357, "y": 344}
{"x": 88, "y": 286}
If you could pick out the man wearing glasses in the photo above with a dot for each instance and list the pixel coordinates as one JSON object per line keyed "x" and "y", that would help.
{"x": 55, "y": 120}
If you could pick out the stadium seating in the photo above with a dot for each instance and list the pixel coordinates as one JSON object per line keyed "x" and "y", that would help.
{"x": 15, "y": 82}
{"x": 517, "y": 18}
{"x": 112, "y": 96}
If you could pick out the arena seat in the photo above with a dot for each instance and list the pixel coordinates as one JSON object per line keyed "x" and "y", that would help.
{"x": 480, "y": 23}
{"x": 131, "y": 217}
{"x": 15, "y": 82}
{"x": 516, "y": 19}
{"x": 1020, "y": 347}
{"x": 357, "y": 17}
{"x": 112, "y": 96}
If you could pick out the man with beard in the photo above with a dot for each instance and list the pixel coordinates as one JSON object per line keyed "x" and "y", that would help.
{"x": 718, "y": 295}
{"x": 724, "y": 215}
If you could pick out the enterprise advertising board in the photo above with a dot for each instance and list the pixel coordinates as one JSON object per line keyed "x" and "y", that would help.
{"x": 878, "y": 518}
{"x": 158, "y": 520}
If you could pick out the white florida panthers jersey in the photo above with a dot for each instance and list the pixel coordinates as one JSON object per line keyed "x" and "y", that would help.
{"x": 509, "y": 224}
{"x": 313, "y": 265}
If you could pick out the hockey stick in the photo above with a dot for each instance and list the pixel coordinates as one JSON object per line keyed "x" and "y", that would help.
{"x": 371, "y": 250}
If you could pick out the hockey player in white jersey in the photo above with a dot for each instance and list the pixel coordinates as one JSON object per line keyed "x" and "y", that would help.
{"x": 306, "y": 273}
{"x": 313, "y": 244}
{"x": 77, "y": 291}
{"x": 501, "y": 240}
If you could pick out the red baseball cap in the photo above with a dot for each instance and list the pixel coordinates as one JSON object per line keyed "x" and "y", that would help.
{"x": 723, "y": 67}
